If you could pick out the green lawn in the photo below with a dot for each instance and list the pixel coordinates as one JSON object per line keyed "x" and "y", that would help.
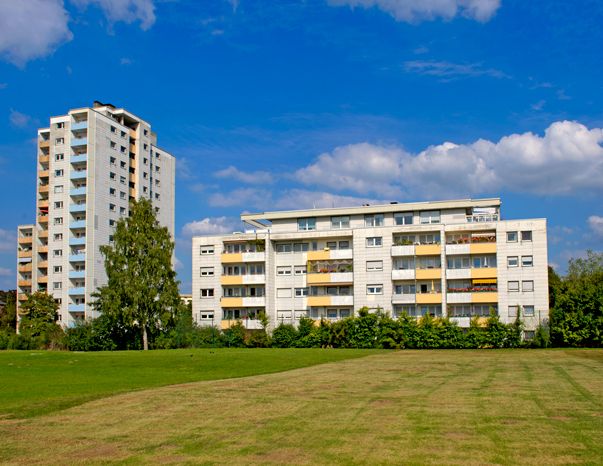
{"x": 40, "y": 382}
{"x": 542, "y": 407}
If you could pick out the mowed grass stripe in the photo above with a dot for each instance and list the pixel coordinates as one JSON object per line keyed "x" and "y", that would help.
{"x": 409, "y": 407}
{"x": 33, "y": 383}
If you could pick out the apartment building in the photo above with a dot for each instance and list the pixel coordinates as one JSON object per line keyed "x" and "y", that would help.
{"x": 455, "y": 258}
{"x": 91, "y": 163}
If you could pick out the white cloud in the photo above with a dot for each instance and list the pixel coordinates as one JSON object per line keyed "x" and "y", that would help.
{"x": 448, "y": 71}
{"x": 257, "y": 177}
{"x": 210, "y": 226}
{"x": 18, "y": 119}
{"x": 596, "y": 224}
{"x": 127, "y": 11}
{"x": 567, "y": 159}
{"x": 250, "y": 197}
{"x": 303, "y": 199}
{"x": 32, "y": 29}
{"x": 8, "y": 241}
{"x": 417, "y": 10}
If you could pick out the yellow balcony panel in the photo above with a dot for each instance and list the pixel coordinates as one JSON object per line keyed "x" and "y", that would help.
{"x": 489, "y": 272}
{"x": 24, "y": 254}
{"x": 133, "y": 192}
{"x": 43, "y": 173}
{"x": 25, "y": 240}
{"x": 43, "y": 203}
{"x": 43, "y": 249}
{"x": 43, "y": 188}
{"x": 232, "y": 258}
{"x": 133, "y": 133}
{"x": 25, "y": 267}
{"x": 231, "y": 279}
{"x": 24, "y": 282}
{"x": 318, "y": 278}
{"x": 44, "y": 158}
{"x": 231, "y": 302}
{"x": 132, "y": 177}
{"x": 429, "y": 298}
{"x": 43, "y": 264}
{"x": 483, "y": 248}
{"x": 44, "y": 144}
{"x": 318, "y": 301}
{"x": 428, "y": 274}
{"x": 43, "y": 234}
{"x": 484, "y": 297}
{"x": 318, "y": 255}
{"x": 43, "y": 219}
{"x": 43, "y": 279}
{"x": 428, "y": 250}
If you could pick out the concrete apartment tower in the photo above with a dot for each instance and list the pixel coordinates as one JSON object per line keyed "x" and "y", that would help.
{"x": 453, "y": 258}
{"x": 91, "y": 163}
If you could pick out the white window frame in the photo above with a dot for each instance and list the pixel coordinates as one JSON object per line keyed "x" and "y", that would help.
{"x": 206, "y": 271}
{"x": 206, "y": 293}
{"x": 374, "y": 266}
{"x": 207, "y": 250}
{"x": 283, "y": 270}
{"x": 530, "y": 286}
{"x": 306, "y": 224}
{"x": 513, "y": 286}
{"x": 375, "y": 289}
{"x": 527, "y": 261}
{"x": 510, "y": 237}
{"x": 512, "y": 261}
{"x": 374, "y": 241}
{"x": 340, "y": 222}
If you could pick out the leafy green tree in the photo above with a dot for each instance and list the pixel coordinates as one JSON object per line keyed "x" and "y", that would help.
{"x": 39, "y": 311}
{"x": 8, "y": 314}
{"x": 141, "y": 290}
{"x": 284, "y": 336}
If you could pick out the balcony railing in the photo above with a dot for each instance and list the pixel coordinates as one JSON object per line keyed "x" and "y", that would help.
{"x": 480, "y": 218}
{"x": 79, "y": 141}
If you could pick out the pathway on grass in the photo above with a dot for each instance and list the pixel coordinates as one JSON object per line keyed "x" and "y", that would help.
{"x": 410, "y": 407}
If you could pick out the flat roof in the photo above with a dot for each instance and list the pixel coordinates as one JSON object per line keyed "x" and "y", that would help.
{"x": 376, "y": 208}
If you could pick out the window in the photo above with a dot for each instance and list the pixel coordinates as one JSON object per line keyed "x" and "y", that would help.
{"x": 512, "y": 261}
{"x": 57, "y": 269}
{"x": 112, "y": 160}
{"x": 408, "y": 263}
{"x": 372, "y": 266}
{"x": 338, "y": 223}
{"x": 111, "y": 222}
{"x": 511, "y": 237}
{"x": 301, "y": 292}
{"x": 207, "y": 271}
{"x": 58, "y": 220}
{"x": 527, "y": 286}
{"x": 429, "y": 262}
{"x": 122, "y": 164}
{"x": 58, "y": 205}
{"x": 374, "y": 241}
{"x": 207, "y": 292}
{"x": 529, "y": 335}
{"x": 58, "y": 236}
{"x": 57, "y": 253}
{"x": 374, "y": 289}
{"x": 344, "y": 245}
{"x": 59, "y": 141}
{"x": 113, "y": 129}
{"x": 332, "y": 245}
{"x": 112, "y": 175}
{"x": 145, "y": 146}
{"x": 206, "y": 315}
{"x": 299, "y": 270}
{"x": 60, "y": 125}
{"x": 57, "y": 285}
{"x": 527, "y": 261}
{"x": 408, "y": 288}
{"x": 145, "y": 161}
{"x": 122, "y": 211}
{"x": 145, "y": 132}
{"x": 112, "y": 191}
{"x": 206, "y": 250}
{"x": 59, "y": 157}
{"x": 58, "y": 173}
{"x": 283, "y": 270}
{"x": 123, "y": 134}
{"x": 430, "y": 216}
{"x": 528, "y": 311}
{"x": 283, "y": 247}
{"x": 58, "y": 189}
{"x": 403, "y": 218}
{"x": 112, "y": 144}
{"x": 122, "y": 179}
{"x": 480, "y": 262}
{"x": 122, "y": 195}
{"x": 526, "y": 235}
{"x": 112, "y": 207}
{"x": 513, "y": 286}
{"x": 375, "y": 220}
{"x": 429, "y": 238}
{"x": 283, "y": 292}
{"x": 306, "y": 224}
{"x": 513, "y": 311}
{"x": 123, "y": 149}
{"x": 300, "y": 247}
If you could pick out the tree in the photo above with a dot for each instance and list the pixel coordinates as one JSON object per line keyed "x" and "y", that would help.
{"x": 39, "y": 311}
{"x": 8, "y": 313}
{"x": 141, "y": 290}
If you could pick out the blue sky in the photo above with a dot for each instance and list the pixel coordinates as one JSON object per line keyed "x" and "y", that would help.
{"x": 324, "y": 102}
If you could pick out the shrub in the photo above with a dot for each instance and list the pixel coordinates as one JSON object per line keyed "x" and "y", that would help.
{"x": 284, "y": 336}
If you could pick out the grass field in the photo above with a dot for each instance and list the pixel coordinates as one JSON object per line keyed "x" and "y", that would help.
{"x": 407, "y": 407}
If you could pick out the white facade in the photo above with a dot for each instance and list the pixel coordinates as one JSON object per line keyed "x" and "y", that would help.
{"x": 450, "y": 258}
{"x": 91, "y": 163}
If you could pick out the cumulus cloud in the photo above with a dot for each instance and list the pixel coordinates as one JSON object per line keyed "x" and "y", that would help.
{"x": 127, "y": 11}
{"x": 418, "y": 10}
{"x": 18, "y": 119}
{"x": 596, "y": 224}
{"x": 251, "y": 197}
{"x": 257, "y": 177}
{"x": 448, "y": 71}
{"x": 567, "y": 159}
{"x": 32, "y": 29}
{"x": 210, "y": 226}
{"x": 304, "y": 199}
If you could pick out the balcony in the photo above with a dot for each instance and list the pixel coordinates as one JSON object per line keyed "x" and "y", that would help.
{"x": 43, "y": 188}
{"x": 43, "y": 234}
{"x": 24, "y": 254}
{"x": 43, "y": 279}
{"x": 77, "y": 291}
{"x": 242, "y": 279}
{"x": 405, "y": 250}
{"x": 44, "y": 158}
{"x": 79, "y": 125}
{"x": 43, "y": 219}
{"x": 43, "y": 173}
{"x": 73, "y": 224}
{"x": 77, "y": 274}
{"x": 43, "y": 249}
{"x": 429, "y": 298}
{"x": 79, "y": 158}
{"x": 330, "y": 254}
{"x": 77, "y": 257}
{"x": 81, "y": 191}
{"x": 428, "y": 274}
{"x": 458, "y": 298}
{"x": 322, "y": 301}
{"x": 403, "y": 298}
{"x": 428, "y": 249}
{"x": 228, "y": 258}
{"x": 76, "y": 307}
{"x": 77, "y": 241}
{"x": 481, "y": 218}
{"x": 78, "y": 142}
{"x": 486, "y": 272}
{"x": 43, "y": 204}
{"x": 78, "y": 174}
{"x": 406, "y": 274}
{"x": 249, "y": 324}
{"x": 44, "y": 143}
{"x": 326, "y": 278}
{"x": 243, "y": 302}
{"x": 25, "y": 240}
{"x": 24, "y": 267}
{"x": 77, "y": 208}
{"x": 24, "y": 282}
{"x": 42, "y": 264}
